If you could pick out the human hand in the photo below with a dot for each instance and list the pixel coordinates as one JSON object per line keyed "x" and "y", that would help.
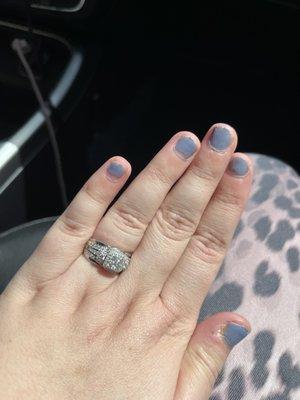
{"x": 71, "y": 330}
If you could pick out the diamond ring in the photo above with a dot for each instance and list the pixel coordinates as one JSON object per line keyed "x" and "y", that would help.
{"x": 110, "y": 258}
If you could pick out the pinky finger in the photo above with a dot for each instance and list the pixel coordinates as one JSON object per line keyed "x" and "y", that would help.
{"x": 65, "y": 241}
{"x": 206, "y": 354}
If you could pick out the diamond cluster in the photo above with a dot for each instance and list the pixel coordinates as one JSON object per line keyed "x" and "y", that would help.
{"x": 116, "y": 260}
{"x": 110, "y": 258}
{"x": 97, "y": 252}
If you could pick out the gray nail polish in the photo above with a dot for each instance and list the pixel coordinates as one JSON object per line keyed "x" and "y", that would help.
{"x": 220, "y": 138}
{"x": 185, "y": 147}
{"x": 116, "y": 170}
{"x": 234, "y": 333}
{"x": 238, "y": 166}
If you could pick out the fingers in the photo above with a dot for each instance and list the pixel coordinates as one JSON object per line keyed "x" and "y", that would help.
{"x": 206, "y": 354}
{"x": 125, "y": 223}
{"x": 178, "y": 217}
{"x": 65, "y": 241}
{"x": 188, "y": 284}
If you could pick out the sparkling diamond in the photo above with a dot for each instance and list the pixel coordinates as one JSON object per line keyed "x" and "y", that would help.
{"x": 116, "y": 260}
{"x": 97, "y": 252}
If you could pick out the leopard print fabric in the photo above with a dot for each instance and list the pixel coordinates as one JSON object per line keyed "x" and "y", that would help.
{"x": 260, "y": 279}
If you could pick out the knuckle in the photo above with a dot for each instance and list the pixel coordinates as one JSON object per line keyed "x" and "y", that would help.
{"x": 229, "y": 200}
{"x": 93, "y": 194}
{"x": 129, "y": 219}
{"x": 159, "y": 175}
{"x": 208, "y": 245}
{"x": 70, "y": 227}
{"x": 207, "y": 174}
{"x": 205, "y": 363}
{"x": 175, "y": 223}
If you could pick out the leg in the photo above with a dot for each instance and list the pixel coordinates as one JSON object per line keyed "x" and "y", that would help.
{"x": 260, "y": 279}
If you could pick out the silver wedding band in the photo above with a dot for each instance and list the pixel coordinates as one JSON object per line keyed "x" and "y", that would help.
{"x": 110, "y": 258}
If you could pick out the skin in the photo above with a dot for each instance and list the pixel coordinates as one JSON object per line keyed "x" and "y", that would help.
{"x": 70, "y": 330}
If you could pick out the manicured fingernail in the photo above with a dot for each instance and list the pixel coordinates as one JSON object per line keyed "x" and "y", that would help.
{"x": 238, "y": 166}
{"x": 220, "y": 138}
{"x": 185, "y": 147}
{"x": 116, "y": 170}
{"x": 234, "y": 333}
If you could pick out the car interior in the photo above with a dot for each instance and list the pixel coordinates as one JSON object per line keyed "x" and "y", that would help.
{"x": 119, "y": 78}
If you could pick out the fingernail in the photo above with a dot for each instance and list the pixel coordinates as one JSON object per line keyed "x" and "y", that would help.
{"x": 238, "y": 166}
{"x": 185, "y": 147}
{"x": 234, "y": 333}
{"x": 116, "y": 170}
{"x": 220, "y": 138}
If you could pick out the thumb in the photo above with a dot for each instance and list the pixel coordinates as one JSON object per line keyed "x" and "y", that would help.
{"x": 206, "y": 354}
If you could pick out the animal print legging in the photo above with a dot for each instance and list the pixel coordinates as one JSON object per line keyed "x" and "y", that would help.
{"x": 260, "y": 279}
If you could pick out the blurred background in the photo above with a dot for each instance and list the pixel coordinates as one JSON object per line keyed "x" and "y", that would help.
{"x": 120, "y": 77}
